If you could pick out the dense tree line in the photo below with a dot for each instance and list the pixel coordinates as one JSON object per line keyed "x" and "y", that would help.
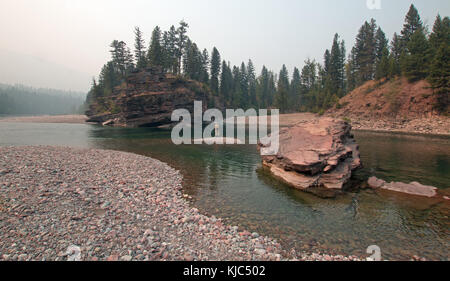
{"x": 18, "y": 100}
{"x": 414, "y": 53}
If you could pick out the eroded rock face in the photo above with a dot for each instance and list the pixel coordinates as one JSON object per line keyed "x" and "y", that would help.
{"x": 413, "y": 188}
{"x": 315, "y": 155}
{"x": 147, "y": 98}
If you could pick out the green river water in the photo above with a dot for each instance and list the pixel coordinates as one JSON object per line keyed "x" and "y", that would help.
{"x": 226, "y": 181}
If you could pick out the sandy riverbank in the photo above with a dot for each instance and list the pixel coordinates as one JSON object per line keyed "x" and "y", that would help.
{"x": 71, "y": 119}
{"x": 432, "y": 126}
{"x": 114, "y": 206}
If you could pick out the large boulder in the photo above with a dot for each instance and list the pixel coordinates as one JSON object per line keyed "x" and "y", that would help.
{"x": 316, "y": 155}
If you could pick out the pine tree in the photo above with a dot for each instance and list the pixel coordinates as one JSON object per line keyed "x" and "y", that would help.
{"x": 226, "y": 83}
{"x": 383, "y": 65}
{"x": 382, "y": 43}
{"x": 139, "y": 49}
{"x": 412, "y": 24}
{"x": 294, "y": 91}
{"x": 204, "y": 77}
{"x": 439, "y": 77}
{"x": 440, "y": 33}
{"x": 215, "y": 70}
{"x": 236, "y": 99}
{"x": 281, "y": 100}
{"x": 180, "y": 42}
{"x": 396, "y": 53}
{"x": 336, "y": 68}
{"x": 121, "y": 57}
{"x": 251, "y": 77}
{"x": 244, "y": 85}
{"x": 263, "y": 88}
{"x": 172, "y": 50}
{"x": 309, "y": 74}
{"x": 364, "y": 53}
{"x": 439, "y": 73}
{"x": 155, "y": 52}
{"x": 327, "y": 61}
{"x": 415, "y": 63}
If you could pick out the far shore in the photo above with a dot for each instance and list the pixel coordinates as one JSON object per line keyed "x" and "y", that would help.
{"x": 425, "y": 126}
{"x": 69, "y": 119}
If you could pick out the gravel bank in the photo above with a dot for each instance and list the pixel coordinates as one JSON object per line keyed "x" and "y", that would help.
{"x": 113, "y": 206}
{"x": 70, "y": 119}
{"x": 438, "y": 125}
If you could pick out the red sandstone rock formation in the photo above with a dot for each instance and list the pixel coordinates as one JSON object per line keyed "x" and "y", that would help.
{"x": 316, "y": 155}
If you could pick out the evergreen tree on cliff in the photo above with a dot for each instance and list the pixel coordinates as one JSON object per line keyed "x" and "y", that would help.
{"x": 412, "y": 24}
{"x": 155, "y": 52}
{"x": 383, "y": 65}
{"x": 365, "y": 52}
{"x": 139, "y": 49}
{"x": 396, "y": 53}
{"x": 204, "y": 76}
{"x": 181, "y": 41}
{"x": 215, "y": 70}
{"x": 382, "y": 43}
{"x": 416, "y": 62}
{"x": 121, "y": 57}
{"x": 171, "y": 51}
{"x": 440, "y": 33}
{"x": 439, "y": 76}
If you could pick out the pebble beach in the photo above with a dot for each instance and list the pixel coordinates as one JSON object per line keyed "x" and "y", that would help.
{"x": 112, "y": 205}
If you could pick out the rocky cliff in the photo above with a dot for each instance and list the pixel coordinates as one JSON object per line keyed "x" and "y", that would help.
{"x": 316, "y": 155}
{"x": 146, "y": 99}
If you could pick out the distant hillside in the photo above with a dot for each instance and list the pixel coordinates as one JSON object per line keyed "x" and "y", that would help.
{"x": 24, "y": 100}
{"x": 388, "y": 99}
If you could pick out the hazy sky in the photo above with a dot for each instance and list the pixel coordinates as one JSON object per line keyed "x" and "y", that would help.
{"x": 62, "y": 44}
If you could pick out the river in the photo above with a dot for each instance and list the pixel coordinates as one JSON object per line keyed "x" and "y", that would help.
{"x": 226, "y": 181}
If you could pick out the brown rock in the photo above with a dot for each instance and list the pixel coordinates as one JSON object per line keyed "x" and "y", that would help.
{"x": 147, "y": 98}
{"x": 319, "y": 152}
{"x": 375, "y": 182}
{"x": 413, "y": 188}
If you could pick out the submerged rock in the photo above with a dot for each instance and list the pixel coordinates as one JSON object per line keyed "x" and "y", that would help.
{"x": 413, "y": 188}
{"x": 316, "y": 155}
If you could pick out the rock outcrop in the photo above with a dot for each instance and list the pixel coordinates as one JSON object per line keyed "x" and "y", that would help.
{"x": 316, "y": 155}
{"x": 147, "y": 98}
{"x": 413, "y": 188}
{"x": 393, "y": 105}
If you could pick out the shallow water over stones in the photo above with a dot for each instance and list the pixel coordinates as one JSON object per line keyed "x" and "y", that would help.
{"x": 226, "y": 181}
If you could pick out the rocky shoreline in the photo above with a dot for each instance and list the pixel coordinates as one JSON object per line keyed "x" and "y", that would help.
{"x": 112, "y": 205}
{"x": 438, "y": 125}
{"x": 67, "y": 119}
